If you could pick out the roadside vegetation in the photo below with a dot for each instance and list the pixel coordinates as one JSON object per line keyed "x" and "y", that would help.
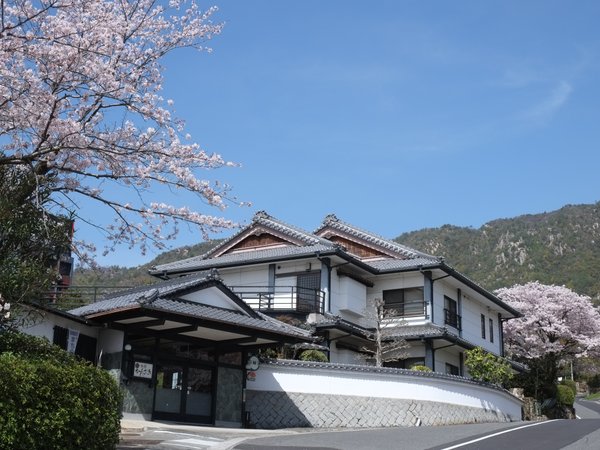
{"x": 52, "y": 400}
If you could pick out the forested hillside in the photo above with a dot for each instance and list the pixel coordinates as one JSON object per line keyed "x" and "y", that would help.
{"x": 560, "y": 247}
{"x": 135, "y": 276}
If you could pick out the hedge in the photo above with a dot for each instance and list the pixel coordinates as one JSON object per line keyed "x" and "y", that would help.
{"x": 565, "y": 395}
{"x": 51, "y": 400}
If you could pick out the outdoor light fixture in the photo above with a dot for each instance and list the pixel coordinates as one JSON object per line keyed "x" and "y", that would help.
{"x": 127, "y": 347}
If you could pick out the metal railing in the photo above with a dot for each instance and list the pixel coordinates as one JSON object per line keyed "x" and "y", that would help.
{"x": 282, "y": 298}
{"x": 452, "y": 318}
{"x": 407, "y": 309}
{"x": 70, "y": 297}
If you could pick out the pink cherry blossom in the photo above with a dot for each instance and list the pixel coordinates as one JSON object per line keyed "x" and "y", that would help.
{"x": 80, "y": 84}
{"x": 555, "y": 320}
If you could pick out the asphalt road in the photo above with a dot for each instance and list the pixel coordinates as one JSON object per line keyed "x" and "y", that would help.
{"x": 581, "y": 434}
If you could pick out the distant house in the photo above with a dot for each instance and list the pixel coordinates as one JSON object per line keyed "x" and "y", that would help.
{"x": 329, "y": 277}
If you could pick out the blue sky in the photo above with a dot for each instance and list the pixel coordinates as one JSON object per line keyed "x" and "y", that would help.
{"x": 395, "y": 115}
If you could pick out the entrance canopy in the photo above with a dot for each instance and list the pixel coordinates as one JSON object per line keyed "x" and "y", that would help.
{"x": 197, "y": 308}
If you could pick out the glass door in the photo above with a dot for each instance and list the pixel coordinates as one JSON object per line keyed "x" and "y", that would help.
{"x": 198, "y": 399}
{"x": 183, "y": 393}
{"x": 169, "y": 386}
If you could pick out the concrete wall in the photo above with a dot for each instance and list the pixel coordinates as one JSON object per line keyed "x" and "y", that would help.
{"x": 299, "y": 394}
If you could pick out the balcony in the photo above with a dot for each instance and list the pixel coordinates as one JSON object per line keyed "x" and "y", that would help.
{"x": 452, "y": 319}
{"x": 282, "y": 298}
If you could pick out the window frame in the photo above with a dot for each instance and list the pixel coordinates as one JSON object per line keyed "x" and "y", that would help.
{"x": 402, "y": 307}
{"x": 483, "y": 326}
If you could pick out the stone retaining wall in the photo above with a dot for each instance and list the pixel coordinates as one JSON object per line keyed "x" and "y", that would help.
{"x": 292, "y": 410}
{"x": 286, "y": 394}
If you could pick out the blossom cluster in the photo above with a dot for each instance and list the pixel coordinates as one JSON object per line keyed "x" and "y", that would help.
{"x": 80, "y": 85}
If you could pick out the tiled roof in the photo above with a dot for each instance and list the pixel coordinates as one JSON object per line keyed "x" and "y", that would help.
{"x": 157, "y": 297}
{"x": 145, "y": 293}
{"x": 401, "y": 250}
{"x": 292, "y": 231}
{"x": 385, "y": 265}
{"x": 373, "y": 369}
{"x": 229, "y": 259}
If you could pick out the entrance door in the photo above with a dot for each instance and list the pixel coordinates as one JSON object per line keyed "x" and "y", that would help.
{"x": 183, "y": 393}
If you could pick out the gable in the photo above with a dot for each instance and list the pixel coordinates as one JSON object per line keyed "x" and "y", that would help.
{"x": 357, "y": 249}
{"x": 214, "y": 296}
{"x": 257, "y": 241}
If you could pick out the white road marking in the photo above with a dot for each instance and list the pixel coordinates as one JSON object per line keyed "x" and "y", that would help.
{"x": 192, "y": 443}
{"x": 497, "y": 434}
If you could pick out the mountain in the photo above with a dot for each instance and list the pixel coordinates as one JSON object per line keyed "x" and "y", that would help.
{"x": 135, "y": 276}
{"x": 560, "y": 247}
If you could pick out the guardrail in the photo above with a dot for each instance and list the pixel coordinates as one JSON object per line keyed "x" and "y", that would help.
{"x": 282, "y": 298}
{"x": 65, "y": 298}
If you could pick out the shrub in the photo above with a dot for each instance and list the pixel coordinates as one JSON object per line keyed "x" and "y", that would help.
{"x": 571, "y": 384}
{"x": 565, "y": 395}
{"x": 484, "y": 366}
{"x": 420, "y": 368}
{"x": 313, "y": 355}
{"x": 51, "y": 400}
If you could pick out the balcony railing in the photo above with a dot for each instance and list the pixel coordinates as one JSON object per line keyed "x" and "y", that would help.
{"x": 452, "y": 319}
{"x": 70, "y": 297}
{"x": 282, "y": 298}
{"x": 407, "y": 309}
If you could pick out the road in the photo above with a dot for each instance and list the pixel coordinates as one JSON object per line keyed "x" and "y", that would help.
{"x": 581, "y": 434}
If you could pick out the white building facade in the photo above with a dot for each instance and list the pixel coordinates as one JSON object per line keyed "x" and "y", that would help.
{"x": 330, "y": 278}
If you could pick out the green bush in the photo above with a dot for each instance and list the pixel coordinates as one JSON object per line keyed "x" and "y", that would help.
{"x": 313, "y": 355}
{"x": 484, "y": 366}
{"x": 420, "y": 368}
{"x": 571, "y": 384}
{"x": 52, "y": 400}
{"x": 565, "y": 395}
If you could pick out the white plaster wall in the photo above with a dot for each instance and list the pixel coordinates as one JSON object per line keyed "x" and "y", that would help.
{"x": 212, "y": 296}
{"x": 394, "y": 281}
{"x": 110, "y": 341}
{"x": 348, "y": 296}
{"x": 342, "y": 356}
{"x": 396, "y": 386}
{"x": 45, "y": 328}
{"x": 471, "y": 317}
{"x": 297, "y": 266}
{"x": 444, "y": 356}
{"x": 246, "y": 276}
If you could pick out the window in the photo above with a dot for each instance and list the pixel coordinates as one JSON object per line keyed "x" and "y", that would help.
{"x": 491, "y": 330}
{"x": 482, "y": 326}
{"x": 405, "y": 302}
{"x": 451, "y": 316}
{"x": 451, "y": 369}
{"x": 85, "y": 346}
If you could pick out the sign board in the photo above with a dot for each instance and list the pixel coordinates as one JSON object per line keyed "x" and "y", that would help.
{"x": 253, "y": 363}
{"x": 142, "y": 370}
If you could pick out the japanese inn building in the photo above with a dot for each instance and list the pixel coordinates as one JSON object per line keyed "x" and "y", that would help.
{"x": 182, "y": 348}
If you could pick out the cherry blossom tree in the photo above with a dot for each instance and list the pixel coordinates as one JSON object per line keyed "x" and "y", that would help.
{"x": 557, "y": 325}
{"x": 80, "y": 103}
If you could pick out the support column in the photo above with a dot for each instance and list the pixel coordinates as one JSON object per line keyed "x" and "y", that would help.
{"x": 429, "y": 354}
{"x": 501, "y": 334}
{"x": 428, "y": 293}
{"x": 459, "y": 310}
{"x": 326, "y": 283}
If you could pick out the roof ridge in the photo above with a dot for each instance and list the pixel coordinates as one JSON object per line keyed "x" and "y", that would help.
{"x": 264, "y": 218}
{"x": 333, "y": 221}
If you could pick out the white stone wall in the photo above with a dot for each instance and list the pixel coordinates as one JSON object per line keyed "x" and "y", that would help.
{"x": 301, "y": 385}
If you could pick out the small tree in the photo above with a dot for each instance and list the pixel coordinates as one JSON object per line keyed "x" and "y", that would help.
{"x": 483, "y": 366}
{"x": 387, "y": 344}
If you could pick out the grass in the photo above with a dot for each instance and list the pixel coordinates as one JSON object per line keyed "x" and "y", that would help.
{"x": 595, "y": 396}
